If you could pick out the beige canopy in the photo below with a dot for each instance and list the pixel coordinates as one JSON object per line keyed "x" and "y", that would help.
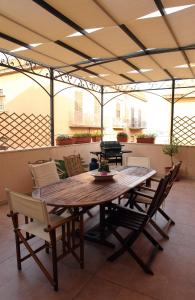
{"x": 107, "y": 42}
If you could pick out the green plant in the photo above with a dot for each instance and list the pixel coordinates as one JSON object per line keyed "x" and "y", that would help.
{"x": 104, "y": 166}
{"x": 62, "y": 137}
{"x": 146, "y": 135}
{"x": 122, "y": 134}
{"x": 82, "y": 135}
{"x": 171, "y": 149}
{"x": 96, "y": 134}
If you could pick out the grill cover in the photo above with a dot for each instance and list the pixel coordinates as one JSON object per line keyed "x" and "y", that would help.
{"x": 110, "y": 148}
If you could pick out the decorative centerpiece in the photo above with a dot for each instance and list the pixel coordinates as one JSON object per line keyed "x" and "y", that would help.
{"x": 104, "y": 168}
{"x": 122, "y": 136}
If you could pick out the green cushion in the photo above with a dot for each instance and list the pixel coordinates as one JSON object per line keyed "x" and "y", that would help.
{"x": 61, "y": 168}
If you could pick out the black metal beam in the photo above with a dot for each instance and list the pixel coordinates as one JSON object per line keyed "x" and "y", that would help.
{"x": 13, "y": 40}
{"x": 132, "y": 36}
{"x": 102, "y": 112}
{"x": 60, "y": 16}
{"x": 52, "y": 106}
{"x": 76, "y": 51}
{"x": 126, "y": 77}
{"x": 172, "y": 110}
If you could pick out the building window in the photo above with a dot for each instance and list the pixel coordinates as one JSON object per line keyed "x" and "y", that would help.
{"x": 78, "y": 107}
{"x": 118, "y": 111}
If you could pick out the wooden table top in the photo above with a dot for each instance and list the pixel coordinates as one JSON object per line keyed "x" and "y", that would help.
{"x": 83, "y": 190}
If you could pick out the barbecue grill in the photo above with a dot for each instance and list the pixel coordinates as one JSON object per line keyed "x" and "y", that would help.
{"x": 111, "y": 151}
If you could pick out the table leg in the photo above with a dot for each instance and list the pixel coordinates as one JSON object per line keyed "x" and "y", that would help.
{"x": 98, "y": 234}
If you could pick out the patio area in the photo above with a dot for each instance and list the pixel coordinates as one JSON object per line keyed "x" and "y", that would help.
{"x": 174, "y": 268}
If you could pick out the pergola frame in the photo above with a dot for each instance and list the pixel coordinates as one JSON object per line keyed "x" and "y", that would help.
{"x": 30, "y": 68}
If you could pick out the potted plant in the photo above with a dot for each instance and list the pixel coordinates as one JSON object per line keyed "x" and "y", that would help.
{"x": 96, "y": 137}
{"x": 104, "y": 168}
{"x": 171, "y": 149}
{"x": 63, "y": 139}
{"x": 82, "y": 138}
{"x": 146, "y": 138}
{"x": 122, "y": 136}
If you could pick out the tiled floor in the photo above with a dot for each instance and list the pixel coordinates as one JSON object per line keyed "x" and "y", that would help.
{"x": 123, "y": 279}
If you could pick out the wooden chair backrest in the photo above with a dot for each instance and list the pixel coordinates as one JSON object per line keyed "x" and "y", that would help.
{"x": 28, "y": 206}
{"x": 159, "y": 195}
{"x": 73, "y": 165}
{"x": 140, "y": 161}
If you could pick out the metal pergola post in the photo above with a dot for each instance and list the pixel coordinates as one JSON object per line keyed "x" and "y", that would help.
{"x": 52, "y": 105}
{"x": 102, "y": 112}
{"x": 172, "y": 109}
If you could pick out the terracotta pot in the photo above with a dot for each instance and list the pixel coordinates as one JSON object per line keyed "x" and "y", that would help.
{"x": 122, "y": 139}
{"x": 96, "y": 138}
{"x": 64, "y": 142}
{"x": 79, "y": 140}
{"x": 149, "y": 140}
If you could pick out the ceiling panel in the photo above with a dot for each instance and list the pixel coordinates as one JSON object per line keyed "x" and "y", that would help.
{"x": 40, "y": 58}
{"x": 20, "y": 32}
{"x": 40, "y": 21}
{"x": 59, "y": 52}
{"x": 191, "y": 55}
{"x": 118, "y": 67}
{"x": 4, "y": 44}
{"x": 125, "y": 11}
{"x": 182, "y": 24}
{"x": 145, "y": 62}
{"x": 153, "y": 33}
{"x": 87, "y": 46}
{"x": 115, "y": 40}
{"x": 167, "y": 60}
{"x": 84, "y": 12}
{"x": 181, "y": 73}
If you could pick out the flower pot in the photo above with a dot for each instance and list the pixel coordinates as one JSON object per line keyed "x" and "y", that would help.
{"x": 122, "y": 139}
{"x": 149, "y": 140}
{"x": 79, "y": 140}
{"x": 96, "y": 138}
{"x": 64, "y": 142}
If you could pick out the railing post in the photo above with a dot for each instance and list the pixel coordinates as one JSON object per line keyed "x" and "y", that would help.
{"x": 52, "y": 105}
{"x": 102, "y": 112}
{"x": 172, "y": 110}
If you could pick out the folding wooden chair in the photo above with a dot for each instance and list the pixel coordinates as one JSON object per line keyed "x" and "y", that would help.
{"x": 144, "y": 195}
{"x": 136, "y": 222}
{"x": 48, "y": 227}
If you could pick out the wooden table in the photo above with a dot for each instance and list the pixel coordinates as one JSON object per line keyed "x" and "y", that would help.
{"x": 82, "y": 190}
